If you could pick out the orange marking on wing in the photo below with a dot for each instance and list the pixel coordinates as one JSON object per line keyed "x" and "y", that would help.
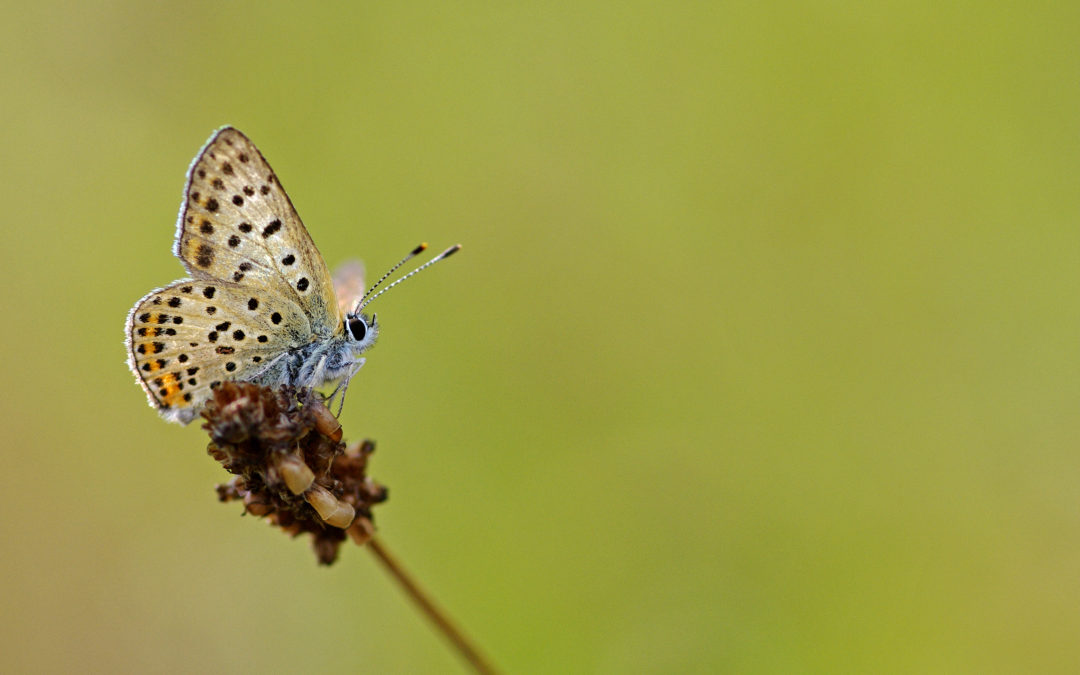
{"x": 173, "y": 395}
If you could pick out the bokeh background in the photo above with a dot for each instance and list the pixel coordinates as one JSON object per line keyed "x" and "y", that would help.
{"x": 761, "y": 355}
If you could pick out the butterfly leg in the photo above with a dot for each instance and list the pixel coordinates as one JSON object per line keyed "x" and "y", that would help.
{"x": 343, "y": 386}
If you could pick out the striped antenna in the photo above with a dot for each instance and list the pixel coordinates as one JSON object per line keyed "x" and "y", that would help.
{"x": 412, "y": 254}
{"x": 442, "y": 256}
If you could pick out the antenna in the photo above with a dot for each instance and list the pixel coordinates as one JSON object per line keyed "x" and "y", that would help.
{"x": 412, "y": 254}
{"x": 442, "y": 256}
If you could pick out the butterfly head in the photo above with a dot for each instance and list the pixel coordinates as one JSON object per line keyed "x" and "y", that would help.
{"x": 361, "y": 331}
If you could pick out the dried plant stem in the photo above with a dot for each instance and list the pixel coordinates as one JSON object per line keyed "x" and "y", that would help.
{"x": 435, "y": 614}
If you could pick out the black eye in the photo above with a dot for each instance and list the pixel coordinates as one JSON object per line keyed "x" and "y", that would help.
{"x": 358, "y": 329}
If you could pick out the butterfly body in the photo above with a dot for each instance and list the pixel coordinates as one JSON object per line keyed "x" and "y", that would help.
{"x": 259, "y": 304}
{"x": 315, "y": 363}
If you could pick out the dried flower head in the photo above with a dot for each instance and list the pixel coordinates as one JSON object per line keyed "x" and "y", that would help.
{"x": 284, "y": 447}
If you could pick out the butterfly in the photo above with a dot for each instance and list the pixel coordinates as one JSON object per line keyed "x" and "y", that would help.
{"x": 259, "y": 304}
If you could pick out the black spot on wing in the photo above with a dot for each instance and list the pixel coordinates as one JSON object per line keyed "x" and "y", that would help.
{"x": 270, "y": 229}
{"x": 204, "y": 257}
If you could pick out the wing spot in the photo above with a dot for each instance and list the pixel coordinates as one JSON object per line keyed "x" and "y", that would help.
{"x": 202, "y": 173}
{"x": 144, "y": 317}
{"x": 230, "y": 366}
{"x": 218, "y": 184}
{"x": 156, "y": 301}
{"x": 288, "y": 260}
{"x": 302, "y": 284}
{"x": 245, "y": 267}
{"x": 178, "y": 320}
{"x": 262, "y": 338}
{"x": 195, "y": 196}
{"x": 215, "y": 384}
{"x": 186, "y": 289}
{"x": 237, "y": 276}
{"x": 245, "y": 227}
{"x": 192, "y": 381}
{"x": 275, "y": 317}
{"x": 238, "y": 200}
{"x": 212, "y": 336}
{"x": 206, "y": 228}
{"x": 205, "y": 256}
{"x": 265, "y": 189}
{"x": 238, "y": 335}
{"x": 273, "y": 227}
{"x": 211, "y": 309}
{"x": 209, "y": 292}
{"x": 211, "y": 205}
{"x": 192, "y": 371}
{"x": 169, "y": 331}
{"x": 234, "y": 241}
{"x": 224, "y": 325}
{"x": 187, "y": 397}
{"x": 253, "y": 304}
{"x": 182, "y": 358}
{"x": 224, "y": 350}
{"x": 161, "y": 318}
{"x": 249, "y": 191}
{"x": 227, "y": 169}
{"x": 243, "y": 157}
{"x": 174, "y": 302}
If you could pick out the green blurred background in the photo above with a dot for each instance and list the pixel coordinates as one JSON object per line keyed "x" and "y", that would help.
{"x": 761, "y": 355}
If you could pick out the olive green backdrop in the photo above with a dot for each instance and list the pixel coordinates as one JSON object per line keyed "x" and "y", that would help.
{"x": 761, "y": 354}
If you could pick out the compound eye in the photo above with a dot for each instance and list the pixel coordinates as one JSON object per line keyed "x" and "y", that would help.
{"x": 358, "y": 329}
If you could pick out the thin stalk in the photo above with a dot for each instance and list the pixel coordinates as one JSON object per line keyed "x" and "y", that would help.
{"x": 437, "y": 616}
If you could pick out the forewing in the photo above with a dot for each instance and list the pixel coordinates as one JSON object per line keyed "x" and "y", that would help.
{"x": 187, "y": 337}
{"x": 237, "y": 225}
{"x": 349, "y": 284}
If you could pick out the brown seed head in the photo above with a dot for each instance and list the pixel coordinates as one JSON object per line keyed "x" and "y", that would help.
{"x": 285, "y": 449}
